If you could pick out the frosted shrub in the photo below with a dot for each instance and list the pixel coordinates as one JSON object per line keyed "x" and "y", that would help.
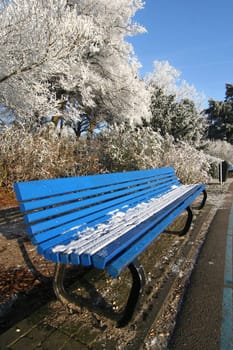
{"x": 190, "y": 164}
{"x": 129, "y": 149}
{"x": 220, "y": 149}
{"x": 27, "y": 156}
{"x": 24, "y": 156}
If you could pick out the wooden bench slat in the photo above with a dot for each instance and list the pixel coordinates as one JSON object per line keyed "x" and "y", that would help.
{"x": 104, "y": 235}
{"x": 98, "y": 197}
{"x": 100, "y": 257}
{"x": 79, "y": 195}
{"x": 119, "y": 264}
{"x": 66, "y": 233}
{"x": 88, "y": 214}
{"x": 150, "y": 208}
{"x": 65, "y": 208}
{"x": 26, "y": 191}
{"x": 74, "y": 196}
{"x": 83, "y": 243}
{"x": 103, "y": 256}
{"x": 85, "y": 248}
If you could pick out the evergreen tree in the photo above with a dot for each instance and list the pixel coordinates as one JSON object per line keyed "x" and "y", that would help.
{"x": 229, "y": 93}
{"x": 177, "y": 118}
{"x": 220, "y": 117}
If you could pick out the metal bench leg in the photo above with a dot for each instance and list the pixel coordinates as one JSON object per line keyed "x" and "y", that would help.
{"x": 203, "y": 200}
{"x": 29, "y": 262}
{"x": 188, "y": 222}
{"x": 138, "y": 277}
{"x": 139, "y": 280}
{"x": 59, "y": 289}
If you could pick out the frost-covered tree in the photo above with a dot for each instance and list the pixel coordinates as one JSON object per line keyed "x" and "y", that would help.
{"x": 174, "y": 107}
{"x": 166, "y": 77}
{"x": 56, "y": 52}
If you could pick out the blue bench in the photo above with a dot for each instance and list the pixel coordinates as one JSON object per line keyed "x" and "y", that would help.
{"x": 104, "y": 221}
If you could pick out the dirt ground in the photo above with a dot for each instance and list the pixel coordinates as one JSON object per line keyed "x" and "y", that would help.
{"x": 7, "y": 198}
{"x": 16, "y": 252}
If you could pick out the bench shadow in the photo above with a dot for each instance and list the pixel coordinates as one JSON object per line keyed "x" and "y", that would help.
{"x": 12, "y": 227}
{"x": 27, "y": 302}
{"x": 75, "y": 278}
{"x": 85, "y": 293}
{"x": 11, "y": 223}
{"x": 28, "y": 261}
{"x": 80, "y": 283}
{"x": 177, "y": 227}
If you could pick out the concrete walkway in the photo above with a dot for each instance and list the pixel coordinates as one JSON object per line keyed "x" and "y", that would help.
{"x": 206, "y": 317}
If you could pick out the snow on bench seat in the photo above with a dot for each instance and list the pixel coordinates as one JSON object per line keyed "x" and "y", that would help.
{"x": 85, "y": 245}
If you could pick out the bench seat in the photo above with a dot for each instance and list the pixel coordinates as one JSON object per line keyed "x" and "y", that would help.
{"x": 123, "y": 228}
{"x": 105, "y": 221}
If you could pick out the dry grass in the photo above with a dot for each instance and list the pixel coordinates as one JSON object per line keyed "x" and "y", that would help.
{"x": 24, "y": 156}
{"x": 42, "y": 155}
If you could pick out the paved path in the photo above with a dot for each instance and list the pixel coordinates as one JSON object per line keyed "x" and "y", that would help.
{"x": 205, "y": 321}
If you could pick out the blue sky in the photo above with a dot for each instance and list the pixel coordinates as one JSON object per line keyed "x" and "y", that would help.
{"x": 194, "y": 36}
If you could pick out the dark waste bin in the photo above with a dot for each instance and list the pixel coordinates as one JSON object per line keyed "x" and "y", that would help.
{"x": 223, "y": 171}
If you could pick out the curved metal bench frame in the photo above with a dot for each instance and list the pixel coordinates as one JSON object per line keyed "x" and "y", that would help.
{"x": 137, "y": 273}
{"x": 138, "y": 282}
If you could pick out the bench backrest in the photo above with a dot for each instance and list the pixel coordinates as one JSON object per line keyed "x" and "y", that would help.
{"x": 58, "y": 206}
